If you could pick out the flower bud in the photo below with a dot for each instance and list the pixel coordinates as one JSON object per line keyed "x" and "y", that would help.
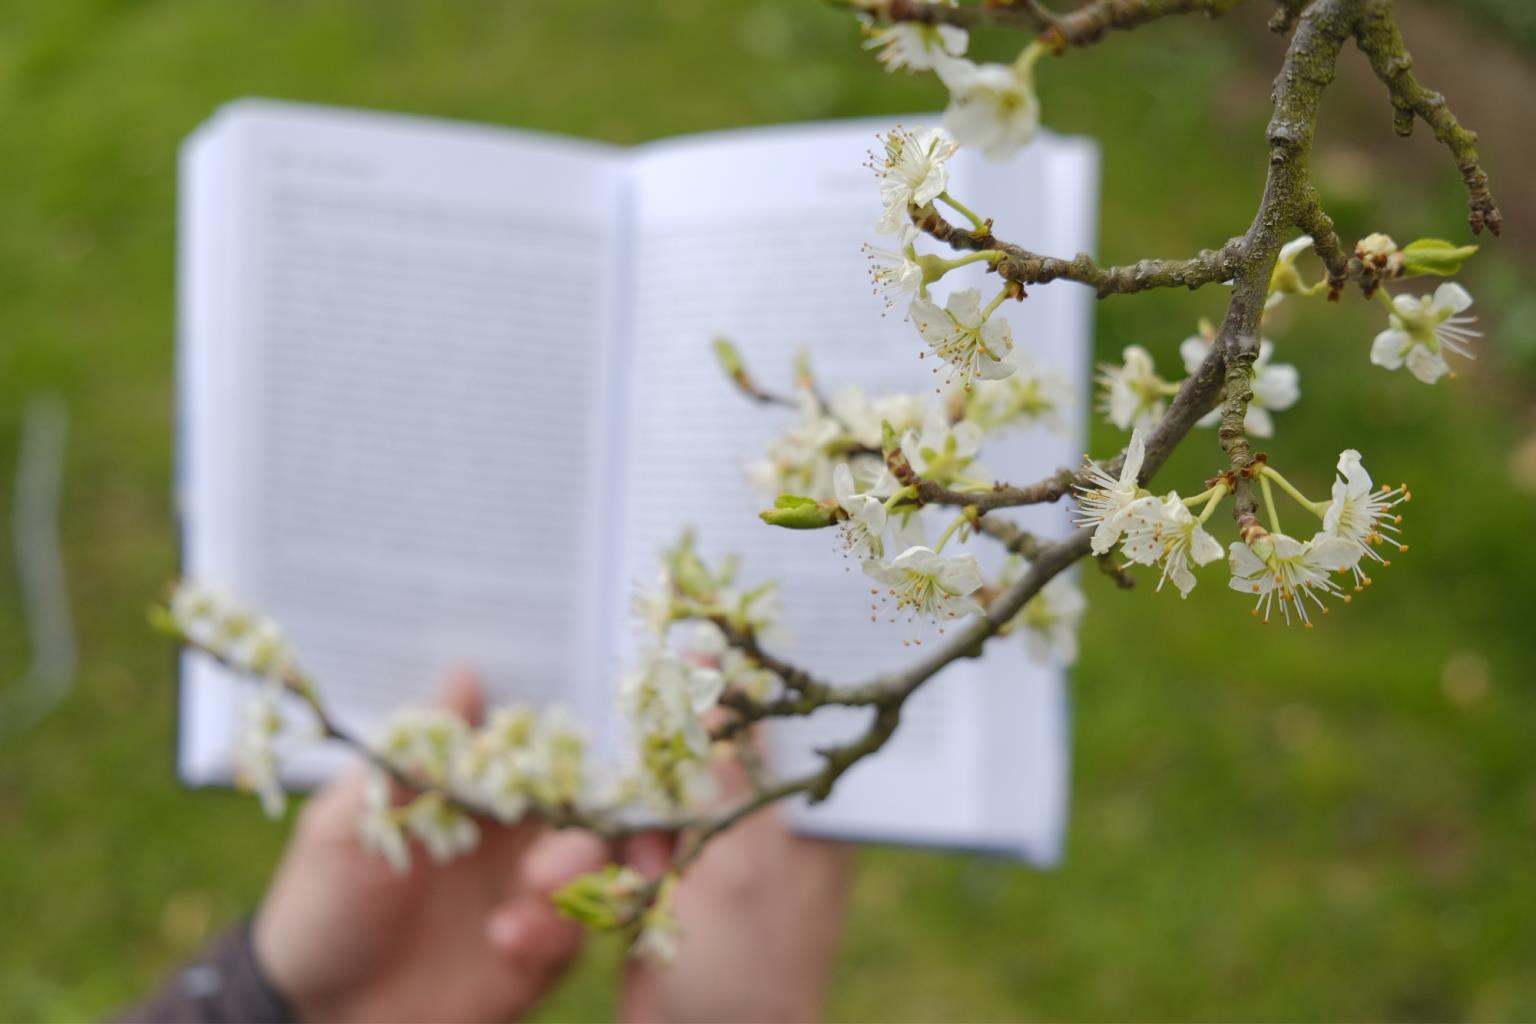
{"x": 799, "y": 513}
{"x": 607, "y": 900}
{"x": 1435, "y": 256}
{"x": 1375, "y": 249}
{"x": 804, "y": 378}
{"x": 730, "y": 361}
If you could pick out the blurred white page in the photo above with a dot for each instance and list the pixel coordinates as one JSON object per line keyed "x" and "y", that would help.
{"x": 442, "y": 384}
{"x": 401, "y": 467}
{"x": 756, "y": 235}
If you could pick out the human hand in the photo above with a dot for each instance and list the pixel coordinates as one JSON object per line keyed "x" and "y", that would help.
{"x": 344, "y": 937}
{"x": 760, "y": 914}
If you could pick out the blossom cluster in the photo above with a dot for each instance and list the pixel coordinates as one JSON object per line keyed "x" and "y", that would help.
{"x": 881, "y": 527}
{"x": 964, "y": 334}
{"x": 431, "y": 773}
{"x": 848, "y": 429}
{"x": 618, "y": 897}
{"x": 992, "y": 107}
{"x": 1356, "y": 524}
{"x": 519, "y": 761}
{"x": 1135, "y": 397}
{"x": 253, "y": 644}
{"x": 1283, "y": 572}
{"x": 666, "y": 698}
{"x": 831, "y": 470}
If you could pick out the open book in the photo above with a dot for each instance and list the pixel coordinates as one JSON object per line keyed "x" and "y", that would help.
{"x": 447, "y": 390}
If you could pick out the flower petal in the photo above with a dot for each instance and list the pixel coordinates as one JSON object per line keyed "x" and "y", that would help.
{"x": 1452, "y": 296}
{"x": 1388, "y": 348}
{"x": 1427, "y": 366}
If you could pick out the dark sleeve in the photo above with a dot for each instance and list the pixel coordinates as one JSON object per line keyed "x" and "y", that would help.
{"x": 224, "y": 984}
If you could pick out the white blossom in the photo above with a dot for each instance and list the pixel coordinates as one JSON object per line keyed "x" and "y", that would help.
{"x": 654, "y": 609}
{"x": 197, "y": 611}
{"x": 255, "y": 752}
{"x": 659, "y": 931}
{"x": 1050, "y": 621}
{"x": 500, "y": 762}
{"x": 558, "y": 772}
{"x": 1135, "y": 397}
{"x": 445, "y": 830}
{"x": 212, "y": 619}
{"x": 928, "y": 585}
{"x": 1029, "y": 396}
{"x": 961, "y": 334}
{"x": 664, "y": 700}
{"x": 864, "y": 529}
{"x": 708, "y": 647}
{"x": 1103, "y": 504}
{"x": 1284, "y": 280}
{"x": 430, "y": 746}
{"x": 1361, "y": 513}
{"x": 379, "y": 828}
{"x": 425, "y": 743}
{"x": 916, "y": 47}
{"x": 1280, "y": 569}
{"x": 861, "y": 416}
{"x": 798, "y": 461}
{"x": 896, "y": 273}
{"x": 1276, "y": 386}
{"x": 657, "y": 941}
{"x": 942, "y": 450}
{"x": 992, "y": 107}
{"x": 1166, "y": 533}
{"x": 262, "y": 650}
{"x": 747, "y": 675}
{"x": 1422, "y": 329}
{"x": 912, "y": 173}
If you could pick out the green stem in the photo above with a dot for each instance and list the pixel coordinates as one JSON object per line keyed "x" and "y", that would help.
{"x": 992, "y": 306}
{"x": 1210, "y": 506}
{"x": 1317, "y": 508}
{"x": 949, "y": 532}
{"x": 964, "y": 211}
{"x": 1269, "y": 504}
{"x": 1204, "y": 495}
{"x": 1026, "y": 61}
{"x": 990, "y": 255}
{"x": 905, "y": 494}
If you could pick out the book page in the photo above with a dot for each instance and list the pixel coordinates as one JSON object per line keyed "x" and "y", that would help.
{"x": 393, "y": 426}
{"x": 756, "y": 235}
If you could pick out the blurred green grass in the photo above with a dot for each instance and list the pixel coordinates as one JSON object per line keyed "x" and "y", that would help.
{"x": 1266, "y": 823}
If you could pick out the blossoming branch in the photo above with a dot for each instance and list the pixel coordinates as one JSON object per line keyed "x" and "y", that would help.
{"x": 876, "y": 469}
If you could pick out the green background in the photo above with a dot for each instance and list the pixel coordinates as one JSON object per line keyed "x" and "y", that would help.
{"x": 1266, "y": 823}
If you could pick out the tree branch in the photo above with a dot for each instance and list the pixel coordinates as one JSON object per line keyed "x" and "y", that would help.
{"x": 1027, "y": 268}
{"x": 1082, "y": 27}
{"x": 1376, "y": 34}
{"x": 1287, "y": 199}
{"x": 1052, "y": 488}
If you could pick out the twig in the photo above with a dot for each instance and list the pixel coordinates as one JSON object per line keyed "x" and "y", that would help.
{"x": 1377, "y": 35}
{"x": 1081, "y": 27}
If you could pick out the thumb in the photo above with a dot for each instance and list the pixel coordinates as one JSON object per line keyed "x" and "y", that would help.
{"x": 462, "y": 694}
{"x": 528, "y": 927}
